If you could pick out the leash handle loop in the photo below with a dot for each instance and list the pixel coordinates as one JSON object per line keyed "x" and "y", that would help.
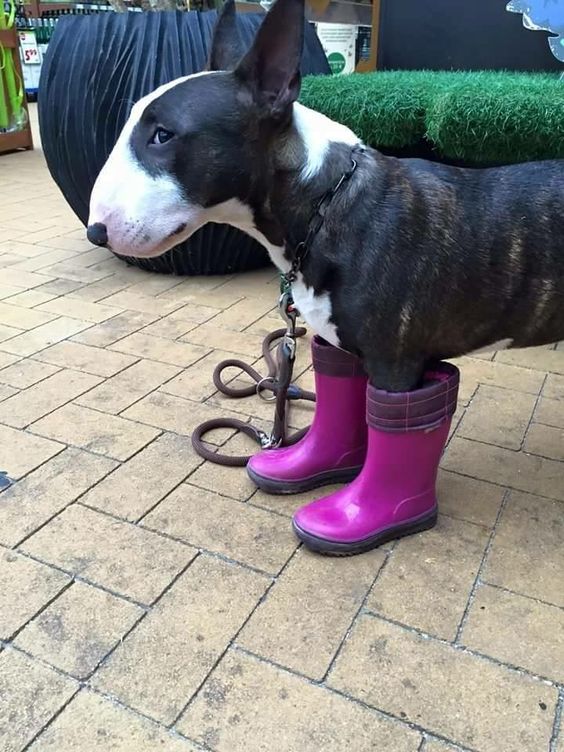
{"x": 278, "y": 382}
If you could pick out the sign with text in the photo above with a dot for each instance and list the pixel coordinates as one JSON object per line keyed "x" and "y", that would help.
{"x": 339, "y": 44}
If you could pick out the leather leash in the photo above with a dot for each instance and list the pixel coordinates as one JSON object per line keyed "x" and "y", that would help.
{"x": 278, "y": 382}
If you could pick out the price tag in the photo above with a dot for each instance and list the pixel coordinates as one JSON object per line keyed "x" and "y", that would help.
{"x": 29, "y": 48}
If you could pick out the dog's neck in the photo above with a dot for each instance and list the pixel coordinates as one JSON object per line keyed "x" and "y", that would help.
{"x": 304, "y": 162}
{"x": 309, "y": 141}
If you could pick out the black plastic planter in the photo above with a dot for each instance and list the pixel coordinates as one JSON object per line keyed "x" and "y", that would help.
{"x": 96, "y": 67}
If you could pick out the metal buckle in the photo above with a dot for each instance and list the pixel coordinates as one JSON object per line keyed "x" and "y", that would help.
{"x": 268, "y": 442}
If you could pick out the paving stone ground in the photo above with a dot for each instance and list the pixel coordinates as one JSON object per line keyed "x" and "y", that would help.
{"x": 152, "y": 601}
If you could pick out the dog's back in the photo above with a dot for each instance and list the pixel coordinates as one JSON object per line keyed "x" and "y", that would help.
{"x": 458, "y": 258}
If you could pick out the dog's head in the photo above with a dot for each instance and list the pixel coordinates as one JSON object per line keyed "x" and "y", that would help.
{"x": 194, "y": 146}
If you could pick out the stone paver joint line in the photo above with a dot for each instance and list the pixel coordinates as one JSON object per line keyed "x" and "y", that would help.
{"x": 558, "y": 728}
{"x": 480, "y": 568}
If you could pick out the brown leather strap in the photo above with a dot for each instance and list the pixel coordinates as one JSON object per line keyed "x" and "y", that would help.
{"x": 278, "y": 381}
{"x": 223, "y": 459}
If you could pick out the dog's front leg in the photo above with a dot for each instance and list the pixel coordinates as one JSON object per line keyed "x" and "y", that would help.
{"x": 394, "y": 375}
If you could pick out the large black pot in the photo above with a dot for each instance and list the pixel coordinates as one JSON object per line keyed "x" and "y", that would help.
{"x": 96, "y": 67}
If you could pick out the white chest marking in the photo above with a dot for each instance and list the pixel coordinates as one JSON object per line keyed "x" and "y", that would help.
{"x": 316, "y": 311}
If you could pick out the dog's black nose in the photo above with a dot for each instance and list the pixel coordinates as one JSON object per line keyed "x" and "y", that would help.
{"x": 97, "y": 234}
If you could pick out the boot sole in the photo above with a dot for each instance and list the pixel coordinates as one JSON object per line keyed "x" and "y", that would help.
{"x": 333, "y": 548}
{"x": 287, "y": 487}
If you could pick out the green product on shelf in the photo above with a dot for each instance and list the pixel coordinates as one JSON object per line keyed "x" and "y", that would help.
{"x": 7, "y": 17}
{"x": 3, "y": 97}
{"x": 11, "y": 94}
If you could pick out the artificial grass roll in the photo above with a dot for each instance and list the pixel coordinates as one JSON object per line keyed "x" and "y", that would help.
{"x": 478, "y": 117}
{"x": 507, "y": 117}
{"x": 385, "y": 109}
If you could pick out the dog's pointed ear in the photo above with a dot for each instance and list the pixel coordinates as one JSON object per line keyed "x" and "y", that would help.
{"x": 271, "y": 68}
{"x": 227, "y": 47}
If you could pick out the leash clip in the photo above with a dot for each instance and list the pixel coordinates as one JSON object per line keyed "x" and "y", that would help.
{"x": 288, "y": 312}
{"x": 290, "y": 344}
{"x": 269, "y": 442}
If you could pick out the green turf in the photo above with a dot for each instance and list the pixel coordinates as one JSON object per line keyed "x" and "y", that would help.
{"x": 479, "y": 117}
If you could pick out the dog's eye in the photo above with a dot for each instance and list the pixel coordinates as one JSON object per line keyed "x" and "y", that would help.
{"x": 161, "y": 136}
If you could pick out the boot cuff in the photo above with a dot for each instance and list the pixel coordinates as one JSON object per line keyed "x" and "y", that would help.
{"x": 332, "y": 361}
{"x": 427, "y": 407}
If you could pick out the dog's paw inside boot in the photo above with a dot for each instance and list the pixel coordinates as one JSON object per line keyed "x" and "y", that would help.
{"x": 394, "y": 495}
{"x": 334, "y": 448}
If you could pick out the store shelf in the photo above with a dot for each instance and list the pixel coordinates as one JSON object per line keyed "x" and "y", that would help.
{"x": 9, "y": 39}
{"x": 15, "y": 140}
{"x": 45, "y": 7}
{"x": 36, "y": 9}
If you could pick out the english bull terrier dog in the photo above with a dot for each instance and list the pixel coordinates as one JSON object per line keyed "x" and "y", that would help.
{"x": 397, "y": 264}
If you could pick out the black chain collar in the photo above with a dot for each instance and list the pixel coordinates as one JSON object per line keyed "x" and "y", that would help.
{"x": 315, "y": 223}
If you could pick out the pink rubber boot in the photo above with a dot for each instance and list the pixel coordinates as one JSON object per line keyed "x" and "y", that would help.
{"x": 394, "y": 495}
{"x": 334, "y": 448}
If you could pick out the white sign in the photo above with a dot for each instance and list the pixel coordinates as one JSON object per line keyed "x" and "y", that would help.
{"x": 339, "y": 44}
{"x": 29, "y": 48}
